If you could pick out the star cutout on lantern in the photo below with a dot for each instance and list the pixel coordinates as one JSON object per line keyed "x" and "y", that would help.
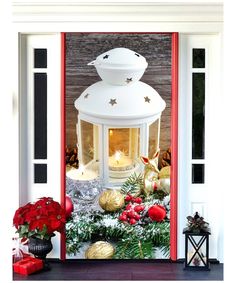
{"x": 86, "y": 95}
{"x": 147, "y": 99}
{"x": 129, "y": 80}
{"x": 137, "y": 54}
{"x": 105, "y": 57}
{"x": 112, "y": 101}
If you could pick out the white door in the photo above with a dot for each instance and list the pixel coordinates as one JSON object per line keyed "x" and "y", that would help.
{"x": 199, "y": 151}
{"x": 40, "y": 127}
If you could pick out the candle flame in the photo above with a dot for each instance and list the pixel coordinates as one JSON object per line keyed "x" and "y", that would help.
{"x": 117, "y": 156}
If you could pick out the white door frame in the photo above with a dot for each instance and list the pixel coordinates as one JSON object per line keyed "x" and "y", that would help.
{"x": 204, "y": 198}
{"x": 185, "y": 18}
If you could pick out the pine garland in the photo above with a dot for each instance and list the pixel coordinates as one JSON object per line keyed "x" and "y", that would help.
{"x": 81, "y": 228}
{"x": 133, "y": 249}
{"x": 131, "y": 241}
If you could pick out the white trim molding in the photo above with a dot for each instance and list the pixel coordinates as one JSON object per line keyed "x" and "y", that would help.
{"x": 93, "y": 11}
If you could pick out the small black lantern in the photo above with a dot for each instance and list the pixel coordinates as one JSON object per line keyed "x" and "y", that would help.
{"x": 196, "y": 244}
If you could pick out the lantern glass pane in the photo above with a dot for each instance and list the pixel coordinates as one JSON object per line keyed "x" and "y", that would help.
{"x": 196, "y": 251}
{"x": 124, "y": 152}
{"x": 89, "y": 154}
{"x": 153, "y": 138}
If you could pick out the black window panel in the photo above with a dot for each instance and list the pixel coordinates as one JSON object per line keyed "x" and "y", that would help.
{"x": 198, "y": 173}
{"x": 40, "y": 58}
{"x": 40, "y": 173}
{"x": 198, "y": 115}
{"x": 40, "y": 115}
{"x": 198, "y": 58}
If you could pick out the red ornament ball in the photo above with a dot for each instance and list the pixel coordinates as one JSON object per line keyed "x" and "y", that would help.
{"x": 69, "y": 207}
{"x": 157, "y": 212}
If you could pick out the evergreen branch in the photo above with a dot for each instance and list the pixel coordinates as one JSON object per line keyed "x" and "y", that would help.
{"x": 133, "y": 241}
{"x": 132, "y": 248}
{"x": 133, "y": 185}
{"x": 140, "y": 249}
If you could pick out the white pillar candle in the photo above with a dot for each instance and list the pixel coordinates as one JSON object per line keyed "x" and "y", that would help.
{"x": 82, "y": 174}
{"x": 120, "y": 162}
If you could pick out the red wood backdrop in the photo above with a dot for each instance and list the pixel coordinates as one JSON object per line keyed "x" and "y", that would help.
{"x": 174, "y": 144}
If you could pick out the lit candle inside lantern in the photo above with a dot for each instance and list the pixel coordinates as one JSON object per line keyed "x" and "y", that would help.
{"x": 82, "y": 174}
{"x": 119, "y": 161}
{"x": 81, "y": 169}
{"x": 117, "y": 156}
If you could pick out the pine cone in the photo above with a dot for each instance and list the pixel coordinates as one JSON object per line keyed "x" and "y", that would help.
{"x": 72, "y": 157}
{"x": 166, "y": 158}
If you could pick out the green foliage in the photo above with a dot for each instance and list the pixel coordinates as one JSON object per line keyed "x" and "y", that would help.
{"x": 159, "y": 194}
{"x": 158, "y": 233}
{"x": 133, "y": 248}
{"x": 133, "y": 185}
{"x": 106, "y": 226}
{"x": 131, "y": 241}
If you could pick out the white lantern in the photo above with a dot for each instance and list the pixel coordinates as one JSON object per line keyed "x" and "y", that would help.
{"x": 118, "y": 118}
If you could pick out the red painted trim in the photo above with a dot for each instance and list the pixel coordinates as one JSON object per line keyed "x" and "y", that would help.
{"x": 174, "y": 147}
{"x": 174, "y": 140}
{"x": 63, "y": 168}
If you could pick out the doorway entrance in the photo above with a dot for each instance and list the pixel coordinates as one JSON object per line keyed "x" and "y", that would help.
{"x": 95, "y": 226}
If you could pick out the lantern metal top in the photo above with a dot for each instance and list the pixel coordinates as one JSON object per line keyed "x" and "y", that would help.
{"x": 134, "y": 101}
{"x": 120, "y": 66}
{"x": 121, "y": 58}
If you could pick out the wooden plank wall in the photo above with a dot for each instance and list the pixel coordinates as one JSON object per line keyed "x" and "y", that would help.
{"x": 82, "y": 48}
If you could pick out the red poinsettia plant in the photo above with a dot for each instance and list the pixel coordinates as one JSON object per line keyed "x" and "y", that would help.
{"x": 40, "y": 219}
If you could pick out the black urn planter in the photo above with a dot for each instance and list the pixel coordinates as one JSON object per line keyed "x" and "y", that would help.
{"x": 40, "y": 248}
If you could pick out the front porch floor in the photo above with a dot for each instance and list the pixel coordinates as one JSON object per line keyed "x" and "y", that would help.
{"x": 122, "y": 270}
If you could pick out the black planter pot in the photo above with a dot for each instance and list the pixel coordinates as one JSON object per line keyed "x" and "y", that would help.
{"x": 40, "y": 248}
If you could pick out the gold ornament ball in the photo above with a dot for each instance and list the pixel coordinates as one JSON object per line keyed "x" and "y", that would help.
{"x": 100, "y": 250}
{"x": 111, "y": 200}
{"x": 164, "y": 185}
{"x": 164, "y": 173}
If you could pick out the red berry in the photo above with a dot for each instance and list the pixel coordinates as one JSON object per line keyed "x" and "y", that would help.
{"x": 123, "y": 217}
{"x": 137, "y": 216}
{"x": 132, "y": 221}
{"x": 139, "y": 208}
{"x": 138, "y": 200}
{"x": 131, "y": 214}
{"x": 128, "y": 206}
{"x": 128, "y": 198}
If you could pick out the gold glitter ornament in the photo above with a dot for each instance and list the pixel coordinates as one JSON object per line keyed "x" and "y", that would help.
{"x": 100, "y": 250}
{"x": 164, "y": 179}
{"x": 164, "y": 172}
{"x": 111, "y": 200}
